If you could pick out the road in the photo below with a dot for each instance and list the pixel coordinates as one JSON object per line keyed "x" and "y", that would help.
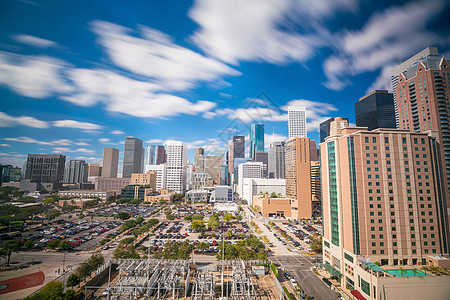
{"x": 294, "y": 261}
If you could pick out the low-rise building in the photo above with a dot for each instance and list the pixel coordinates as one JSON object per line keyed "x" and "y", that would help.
{"x": 198, "y": 196}
{"x": 110, "y": 184}
{"x": 163, "y": 194}
{"x": 273, "y": 207}
{"x": 222, "y": 193}
{"x": 80, "y": 202}
{"x": 147, "y": 179}
{"x": 254, "y": 186}
{"x": 102, "y": 195}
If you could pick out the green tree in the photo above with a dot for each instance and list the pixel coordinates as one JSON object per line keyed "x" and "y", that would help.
{"x": 73, "y": 280}
{"x": 70, "y": 295}
{"x": 197, "y": 224}
{"x": 228, "y": 217}
{"x": 316, "y": 243}
{"x": 123, "y": 215}
{"x": 9, "y": 248}
{"x": 188, "y": 217}
{"x": 51, "y": 214}
{"x": 214, "y": 222}
{"x": 29, "y": 245}
{"x": 202, "y": 246}
{"x": 197, "y": 217}
{"x": 54, "y": 244}
{"x": 53, "y": 290}
{"x": 64, "y": 245}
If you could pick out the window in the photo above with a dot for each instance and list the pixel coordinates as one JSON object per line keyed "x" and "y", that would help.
{"x": 386, "y": 140}
{"x": 394, "y": 229}
{"x": 374, "y": 140}
{"x": 394, "y": 244}
{"x": 366, "y": 139}
{"x": 374, "y": 251}
{"x": 374, "y": 244}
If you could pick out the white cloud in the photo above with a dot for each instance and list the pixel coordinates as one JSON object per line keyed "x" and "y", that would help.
{"x": 10, "y": 121}
{"x": 156, "y": 56}
{"x": 68, "y": 150}
{"x": 154, "y": 141}
{"x": 33, "y": 41}
{"x": 388, "y": 38}
{"x": 28, "y": 140}
{"x": 383, "y": 81}
{"x": 32, "y": 76}
{"x": 94, "y": 160}
{"x": 262, "y": 30}
{"x": 128, "y": 96}
{"x": 104, "y": 140}
{"x": 5, "y": 145}
{"x": 76, "y": 124}
{"x": 271, "y": 138}
{"x": 13, "y": 154}
{"x": 117, "y": 132}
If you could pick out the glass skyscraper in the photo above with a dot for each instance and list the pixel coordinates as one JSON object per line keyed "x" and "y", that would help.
{"x": 133, "y": 156}
{"x": 256, "y": 139}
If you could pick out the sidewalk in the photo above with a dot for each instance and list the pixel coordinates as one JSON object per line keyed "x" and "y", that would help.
{"x": 335, "y": 284}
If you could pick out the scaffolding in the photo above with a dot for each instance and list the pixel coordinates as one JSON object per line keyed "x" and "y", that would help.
{"x": 242, "y": 285}
{"x": 203, "y": 286}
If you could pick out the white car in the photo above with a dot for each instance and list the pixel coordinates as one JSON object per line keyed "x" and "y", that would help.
{"x": 294, "y": 283}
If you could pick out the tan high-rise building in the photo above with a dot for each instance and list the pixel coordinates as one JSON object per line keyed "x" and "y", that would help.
{"x": 383, "y": 202}
{"x": 298, "y": 177}
{"x": 212, "y": 167}
{"x": 110, "y": 162}
{"x": 94, "y": 170}
{"x": 148, "y": 178}
{"x": 199, "y": 165}
{"x": 316, "y": 192}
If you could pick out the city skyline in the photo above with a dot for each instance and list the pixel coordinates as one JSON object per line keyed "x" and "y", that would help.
{"x": 55, "y": 110}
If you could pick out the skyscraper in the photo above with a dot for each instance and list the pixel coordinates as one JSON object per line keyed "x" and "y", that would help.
{"x": 297, "y": 121}
{"x": 256, "y": 139}
{"x": 150, "y": 155}
{"x": 176, "y": 166}
{"x": 45, "y": 168}
{"x": 421, "y": 90}
{"x": 236, "y": 149}
{"x": 132, "y": 156}
{"x": 383, "y": 202}
{"x": 332, "y": 126}
{"x": 76, "y": 171}
{"x": 223, "y": 175}
{"x": 199, "y": 160}
{"x": 248, "y": 170}
{"x": 262, "y": 157}
{"x": 298, "y": 176}
{"x": 275, "y": 167}
{"x": 212, "y": 167}
{"x": 94, "y": 170}
{"x": 110, "y": 162}
{"x": 375, "y": 110}
{"x": 160, "y": 175}
{"x": 161, "y": 157}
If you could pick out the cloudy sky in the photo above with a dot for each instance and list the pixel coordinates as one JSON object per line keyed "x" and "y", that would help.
{"x": 76, "y": 76}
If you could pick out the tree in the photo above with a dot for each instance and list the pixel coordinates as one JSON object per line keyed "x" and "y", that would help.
{"x": 197, "y": 224}
{"x": 123, "y": 215}
{"x": 197, "y": 217}
{"x": 402, "y": 271}
{"x": 70, "y": 295}
{"x": 54, "y": 290}
{"x": 202, "y": 246}
{"x": 64, "y": 245}
{"x": 54, "y": 244}
{"x": 425, "y": 269}
{"x": 29, "y": 245}
{"x": 188, "y": 217}
{"x": 316, "y": 243}
{"x": 214, "y": 221}
{"x": 228, "y": 217}
{"x": 51, "y": 214}
{"x": 73, "y": 280}
{"x": 10, "y": 248}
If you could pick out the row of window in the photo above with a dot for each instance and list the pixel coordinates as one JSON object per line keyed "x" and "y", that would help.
{"x": 414, "y": 251}
{"x": 413, "y": 236}
{"x": 412, "y": 228}
{"x": 386, "y": 140}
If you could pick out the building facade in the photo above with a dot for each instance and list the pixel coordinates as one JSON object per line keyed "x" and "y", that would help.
{"x": 376, "y": 110}
{"x": 160, "y": 175}
{"x": 110, "y": 162}
{"x": 94, "y": 170}
{"x": 275, "y": 164}
{"x": 47, "y": 168}
{"x": 222, "y": 194}
{"x": 176, "y": 166}
{"x": 297, "y": 121}
{"x": 199, "y": 160}
{"x": 248, "y": 170}
{"x": 332, "y": 126}
{"x": 102, "y": 195}
{"x": 421, "y": 91}
{"x": 150, "y": 154}
{"x": 256, "y": 139}
{"x": 161, "y": 156}
{"x": 298, "y": 176}
{"x": 147, "y": 179}
{"x": 133, "y": 155}
{"x": 254, "y": 186}
{"x": 212, "y": 167}
{"x": 76, "y": 171}
{"x": 236, "y": 149}
{"x": 384, "y": 202}
{"x": 110, "y": 184}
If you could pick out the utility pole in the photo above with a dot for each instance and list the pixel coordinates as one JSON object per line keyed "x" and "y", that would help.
{"x": 64, "y": 271}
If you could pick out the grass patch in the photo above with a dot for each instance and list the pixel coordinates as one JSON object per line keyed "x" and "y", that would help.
{"x": 287, "y": 293}
{"x": 274, "y": 269}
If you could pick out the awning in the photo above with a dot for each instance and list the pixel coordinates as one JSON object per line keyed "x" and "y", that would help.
{"x": 357, "y": 295}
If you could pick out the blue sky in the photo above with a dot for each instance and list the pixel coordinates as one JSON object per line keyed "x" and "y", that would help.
{"x": 77, "y": 76}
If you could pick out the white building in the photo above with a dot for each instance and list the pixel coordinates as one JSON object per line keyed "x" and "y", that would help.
{"x": 297, "y": 121}
{"x": 160, "y": 175}
{"x": 222, "y": 193}
{"x": 253, "y": 186}
{"x": 176, "y": 166}
{"x": 248, "y": 170}
{"x": 200, "y": 181}
{"x": 197, "y": 196}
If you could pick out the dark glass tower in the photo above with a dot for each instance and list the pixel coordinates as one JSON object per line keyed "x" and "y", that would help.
{"x": 376, "y": 110}
{"x": 256, "y": 139}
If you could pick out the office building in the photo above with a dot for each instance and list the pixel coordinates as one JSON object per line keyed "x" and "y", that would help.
{"x": 237, "y": 162}
{"x": 262, "y": 157}
{"x": 224, "y": 175}
{"x": 199, "y": 160}
{"x": 136, "y": 191}
{"x": 375, "y": 110}
{"x": 194, "y": 196}
{"x": 15, "y": 174}
{"x": 313, "y": 151}
{"x": 5, "y": 173}
{"x": 102, "y": 195}
{"x": 150, "y": 155}
{"x": 110, "y": 184}
{"x": 298, "y": 177}
{"x": 110, "y": 162}
{"x": 275, "y": 160}
{"x": 48, "y": 168}
{"x": 254, "y": 186}
{"x": 132, "y": 156}
{"x": 256, "y": 139}
{"x": 201, "y": 181}
{"x": 332, "y": 126}
{"x": 76, "y": 171}
{"x": 212, "y": 167}
{"x": 383, "y": 203}
{"x": 222, "y": 194}
{"x": 248, "y": 170}
{"x": 161, "y": 156}
{"x": 421, "y": 88}
{"x": 297, "y": 122}
{"x": 236, "y": 149}
{"x": 268, "y": 206}
{"x": 316, "y": 188}
{"x": 176, "y": 166}
{"x": 94, "y": 170}
{"x": 189, "y": 175}
{"x": 147, "y": 179}
{"x": 160, "y": 175}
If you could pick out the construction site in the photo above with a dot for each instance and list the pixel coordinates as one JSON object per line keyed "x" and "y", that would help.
{"x": 182, "y": 279}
